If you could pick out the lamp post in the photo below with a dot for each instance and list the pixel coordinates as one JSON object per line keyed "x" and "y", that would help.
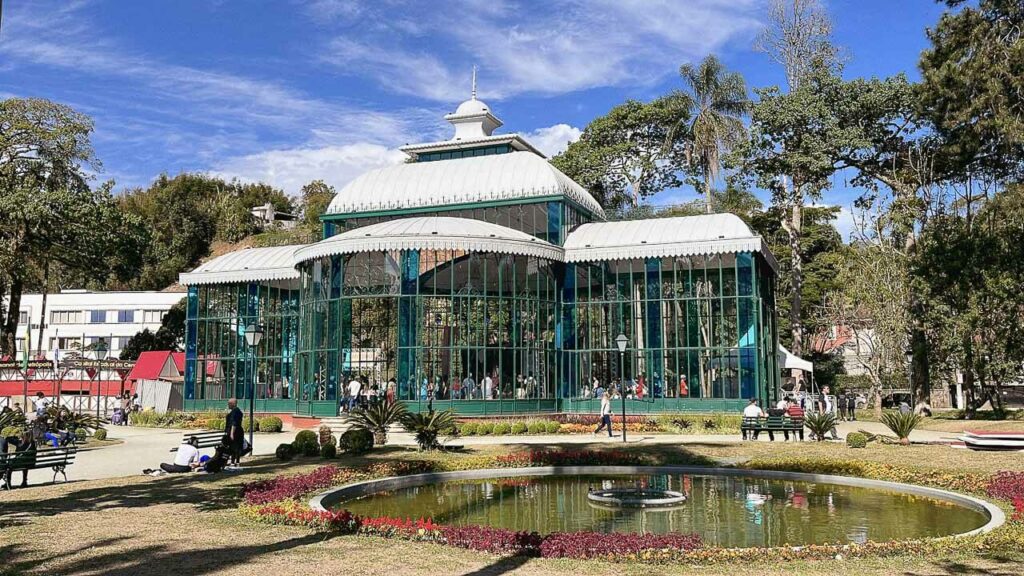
{"x": 621, "y": 341}
{"x": 253, "y": 335}
{"x": 100, "y": 352}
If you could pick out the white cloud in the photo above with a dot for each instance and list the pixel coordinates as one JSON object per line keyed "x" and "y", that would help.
{"x": 550, "y": 48}
{"x": 554, "y": 139}
{"x": 845, "y": 223}
{"x": 290, "y": 169}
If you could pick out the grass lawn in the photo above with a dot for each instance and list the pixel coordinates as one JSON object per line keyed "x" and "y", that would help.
{"x": 182, "y": 525}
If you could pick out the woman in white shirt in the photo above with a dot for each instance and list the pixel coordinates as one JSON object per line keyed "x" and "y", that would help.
{"x": 606, "y": 414}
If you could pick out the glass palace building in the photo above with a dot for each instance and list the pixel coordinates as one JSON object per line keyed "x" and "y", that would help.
{"x": 478, "y": 277}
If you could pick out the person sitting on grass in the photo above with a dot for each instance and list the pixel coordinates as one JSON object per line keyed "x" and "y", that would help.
{"x": 186, "y": 459}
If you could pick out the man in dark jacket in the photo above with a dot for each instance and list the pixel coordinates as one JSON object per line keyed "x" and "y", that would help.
{"x": 233, "y": 431}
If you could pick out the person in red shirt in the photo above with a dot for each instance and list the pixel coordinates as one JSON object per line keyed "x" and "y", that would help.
{"x": 684, "y": 390}
{"x": 796, "y": 413}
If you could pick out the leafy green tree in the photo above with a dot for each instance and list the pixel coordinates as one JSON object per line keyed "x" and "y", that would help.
{"x": 48, "y": 213}
{"x": 967, "y": 269}
{"x": 718, "y": 102}
{"x": 316, "y": 197}
{"x": 972, "y": 87}
{"x": 633, "y": 152}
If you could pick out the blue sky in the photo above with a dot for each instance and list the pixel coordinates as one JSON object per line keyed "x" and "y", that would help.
{"x": 290, "y": 91}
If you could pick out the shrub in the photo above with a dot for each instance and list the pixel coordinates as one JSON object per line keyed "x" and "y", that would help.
{"x": 328, "y": 452}
{"x": 81, "y": 434}
{"x": 212, "y": 423}
{"x": 536, "y": 427}
{"x": 856, "y": 440}
{"x": 377, "y": 418}
{"x": 427, "y": 427}
{"x": 271, "y": 424}
{"x": 247, "y": 425}
{"x": 468, "y": 429}
{"x": 11, "y": 431}
{"x": 356, "y": 441}
{"x": 284, "y": 452}
{"x": 485, "y": 428}
{"x": 520, "y": 428}
{"x": 820, "y": 424}
{"x": 710, "y": 424}
{"x": 901, "y": 424}
{"x": 502, "y": 429}
{"x": 552, "y": 427}
{"x": 308, "y": 449}
{"x": 100, "y": 434}
{"x": 306, "y": 437}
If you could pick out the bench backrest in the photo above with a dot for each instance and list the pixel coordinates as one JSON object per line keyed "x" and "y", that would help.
{"x": 40, "y": 459}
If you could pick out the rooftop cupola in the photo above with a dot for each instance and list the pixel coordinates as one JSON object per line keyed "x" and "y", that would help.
{"x": 473, "y": 118}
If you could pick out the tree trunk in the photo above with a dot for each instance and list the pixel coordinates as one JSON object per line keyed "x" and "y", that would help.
{"x": 9, "y": 328}
{"x": 707, "y": 193}
{"x": 42, "y": 314}
{"x": 796, "y": 279}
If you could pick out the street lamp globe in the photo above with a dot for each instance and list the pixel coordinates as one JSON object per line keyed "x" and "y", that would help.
{"x": 621, "y": 341}
{"x": 100, "y": 349}
{"x": 253, "y": 334}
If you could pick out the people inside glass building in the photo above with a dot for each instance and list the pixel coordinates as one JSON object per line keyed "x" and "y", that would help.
{"x": 478, "y": 277}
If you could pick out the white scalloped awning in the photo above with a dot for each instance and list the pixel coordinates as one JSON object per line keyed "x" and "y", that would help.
{"x": 511, "y": 176}
{"x": 247, "y": 265}
{"x": 663, "y": 237}
{"x": 431, "y": 233}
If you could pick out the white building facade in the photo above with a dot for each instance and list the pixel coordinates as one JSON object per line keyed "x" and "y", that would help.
{"x": 76, "y": 318}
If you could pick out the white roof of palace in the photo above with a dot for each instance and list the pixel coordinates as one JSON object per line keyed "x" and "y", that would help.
{"x": 663, "y": 237}
{"x": 595, "y": 242}
{"x": 431, "y": 233}
{"x": 510, "y": 176}
{"x": 246, "y": 265}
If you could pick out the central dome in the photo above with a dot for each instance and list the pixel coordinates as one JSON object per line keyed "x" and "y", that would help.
{"x": 472, "y": 107}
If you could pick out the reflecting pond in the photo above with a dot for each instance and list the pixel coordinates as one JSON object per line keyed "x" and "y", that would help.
{"x": 725, "y": 511}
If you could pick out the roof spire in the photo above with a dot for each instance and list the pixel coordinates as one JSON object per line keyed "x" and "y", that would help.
{"x": 474, "y": 83}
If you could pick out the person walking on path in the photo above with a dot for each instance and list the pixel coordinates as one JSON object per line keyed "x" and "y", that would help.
{"x": 827, "y": 406}
{"x": 606, "y": 414}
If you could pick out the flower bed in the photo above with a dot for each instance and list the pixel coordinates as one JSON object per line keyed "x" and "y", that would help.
{"x": 1009, "y": 486}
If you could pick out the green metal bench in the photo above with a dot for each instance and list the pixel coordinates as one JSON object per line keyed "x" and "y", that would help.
{"x": 772, "y": 424}
{"x": 205, "y": 439}
{"x": 57, "y": 459}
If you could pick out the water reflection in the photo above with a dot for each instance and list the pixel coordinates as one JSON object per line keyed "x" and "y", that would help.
{"x": 724, "y": 511}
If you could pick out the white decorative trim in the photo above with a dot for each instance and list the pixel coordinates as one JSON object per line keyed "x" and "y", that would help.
{"x": 670, "y": 249}
{"x": 237, "y": 276}
{"x": 538, "y": 248}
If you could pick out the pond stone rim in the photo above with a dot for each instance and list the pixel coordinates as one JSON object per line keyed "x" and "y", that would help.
{"x": 325, "y": 500}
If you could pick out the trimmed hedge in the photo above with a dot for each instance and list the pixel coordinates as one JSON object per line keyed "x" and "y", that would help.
{"x": 270, "y": 424}
{"x": 856, "y": 440}
{"x": 285, "y": 452}
{"x": 328, "y": 452}
{"x": 100, "y": 434}
{"x": 502, "y": 429}
{"x": 519, "y": 428}
{"x": 356, "y": 441}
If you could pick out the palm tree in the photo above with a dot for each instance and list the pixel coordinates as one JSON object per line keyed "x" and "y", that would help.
{"x": 718, "y": 103}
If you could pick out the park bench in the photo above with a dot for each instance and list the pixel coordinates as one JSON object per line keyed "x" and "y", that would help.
{"x": 772, "y": 424}
{"x": 205, "y": 439}
{"x": 57, "y": 459}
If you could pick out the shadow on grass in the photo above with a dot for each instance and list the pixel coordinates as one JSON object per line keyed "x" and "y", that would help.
{"x": 1006, "y": 567}
{"x": 500, "y": 566}
{"x": 160, "y": 560}
{"x": 206, "y": 492}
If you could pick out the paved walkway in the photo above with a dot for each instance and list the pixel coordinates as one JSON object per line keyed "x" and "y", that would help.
{"x": 148, "y": 447}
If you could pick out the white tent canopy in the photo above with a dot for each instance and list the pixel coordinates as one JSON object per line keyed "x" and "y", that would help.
{"x": 790, "y": 361}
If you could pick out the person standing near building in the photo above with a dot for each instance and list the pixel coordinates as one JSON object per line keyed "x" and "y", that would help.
{"x": 40, "y": 404}
{"x": 851, "y": 406}
{"x": 684, "y": 388}
{"x": 488, "y": 387}
{"x": 606, "y": 414}
{"x": 354, "y": 387}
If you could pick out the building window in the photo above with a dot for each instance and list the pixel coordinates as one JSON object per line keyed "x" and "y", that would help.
{"x": 19, "y": 344}
{"x": 152, "y": 316}
{"x": 23, "y": 317}
{"x": 97, "y": 316}
{"x": 125, "y": 316}
{"x": 65, "y": 317}
{"x": 121, "y": 342}
{"x": 65, "y": 344}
